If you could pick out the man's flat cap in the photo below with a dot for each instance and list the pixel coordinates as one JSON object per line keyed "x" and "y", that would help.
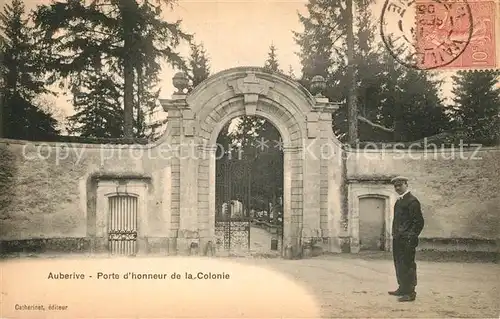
{"x": 399, "y": 179}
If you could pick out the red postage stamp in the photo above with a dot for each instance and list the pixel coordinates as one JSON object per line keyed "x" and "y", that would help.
{"x": 456, "y": 34}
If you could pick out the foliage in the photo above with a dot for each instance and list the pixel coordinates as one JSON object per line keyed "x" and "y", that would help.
{"x": 98, "y": 111}
{"x": 256, "y": 142}
{"x": 224, "y": 142}
{"x": 123, "y": 41}
{"x": 321, "y": 43}
{"x": 22, "y": 78}
{"x": 29, "y": 122}
{"x": 409, "y": 102}
{"x": 272, "y": 64}
{"x": 387, "y": 94}
{"x": 291, "y": 72}
{"x": 199, "y": 68}
{"x": 476, "y": 107}
{"x": 260, "y": 145}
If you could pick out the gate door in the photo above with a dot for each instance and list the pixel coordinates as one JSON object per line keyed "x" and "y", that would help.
{"x": 232, "y": 217}
{"x": 122, "y": 225}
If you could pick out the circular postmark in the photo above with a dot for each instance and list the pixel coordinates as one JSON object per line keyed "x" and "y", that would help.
{"x": 426, "y": 34}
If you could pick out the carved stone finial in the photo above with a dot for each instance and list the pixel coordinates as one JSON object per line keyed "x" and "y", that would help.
{"x": 318, "y": 85}
{"x": 181, "y": 82}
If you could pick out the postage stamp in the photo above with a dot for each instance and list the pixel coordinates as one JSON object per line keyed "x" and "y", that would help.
{"x": 445, "y": 30}
{"x": 441, "y": 34}
{"x": 400, "y": 33}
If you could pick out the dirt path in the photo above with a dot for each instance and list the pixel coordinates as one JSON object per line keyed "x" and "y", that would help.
{"x": 329, "y": 287}
{"x": 358, "y": 288}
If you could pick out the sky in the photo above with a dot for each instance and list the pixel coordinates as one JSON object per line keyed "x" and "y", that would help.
{"x": 234, "y": 33}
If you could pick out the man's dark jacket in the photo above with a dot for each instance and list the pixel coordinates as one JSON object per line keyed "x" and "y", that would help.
{"x": 408, "y": 221}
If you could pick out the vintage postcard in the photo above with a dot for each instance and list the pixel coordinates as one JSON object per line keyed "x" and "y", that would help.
{"x": 249, "y": 158}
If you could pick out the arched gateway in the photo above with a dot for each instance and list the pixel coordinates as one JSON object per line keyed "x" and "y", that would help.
{"x": 312, "y": 156}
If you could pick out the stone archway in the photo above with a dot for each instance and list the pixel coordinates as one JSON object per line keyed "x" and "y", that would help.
{"x": 312, "y": 155}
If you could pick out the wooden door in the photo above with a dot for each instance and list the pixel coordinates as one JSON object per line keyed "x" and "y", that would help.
{"x": 372, "y": 223}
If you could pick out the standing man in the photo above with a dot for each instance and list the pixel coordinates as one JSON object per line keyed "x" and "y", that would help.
{"x": 407, "y": 225}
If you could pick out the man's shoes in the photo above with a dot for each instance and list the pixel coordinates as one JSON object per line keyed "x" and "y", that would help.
{"x": 396, "y": 293}
{"x": 407, "y": 298}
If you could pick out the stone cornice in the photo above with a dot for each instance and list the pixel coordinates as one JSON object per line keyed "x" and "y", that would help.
{"x": 177, "y": 103}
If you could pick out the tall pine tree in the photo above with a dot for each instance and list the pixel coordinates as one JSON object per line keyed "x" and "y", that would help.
{"x": 322, "y": 43}
{"x": 97, "y": 106}
{"x": 383, "y": 88}
{"x": 420, "y": 112}
{"x": 3, "y": 73}
{"x": 126, "y": 38}
{"x": 272, "y": 63}
{"x": 199, "y": 68}
{"x": 23, "y": 78}
{"x": 476, "y": 109}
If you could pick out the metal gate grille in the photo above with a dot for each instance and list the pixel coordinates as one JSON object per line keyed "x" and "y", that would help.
{"x": 122, "y": 225}
{"x": 232, "y": 219}
{"x": 232, "y": 234}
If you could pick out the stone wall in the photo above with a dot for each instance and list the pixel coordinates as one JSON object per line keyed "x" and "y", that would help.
{"x": 48, "y": 190}
{"x": 458, "y": 186}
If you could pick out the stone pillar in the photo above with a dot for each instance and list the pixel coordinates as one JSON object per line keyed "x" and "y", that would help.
{"x": 293, "y": 197}
{"x": 312, "y": 178}
{"x": 174, "y": 123}
{"x": 184, "y": 170}
{"x": 287, "y": 200}
{"x": 206, "y": 198}
{"x": 327, "y": 169}
{"x": 188, "y": 223}
{"x": 334, "y": 211}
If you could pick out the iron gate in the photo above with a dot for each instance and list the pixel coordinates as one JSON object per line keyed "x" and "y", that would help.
{"x": 122, "y": 225}
{"x": 232, "y": 219}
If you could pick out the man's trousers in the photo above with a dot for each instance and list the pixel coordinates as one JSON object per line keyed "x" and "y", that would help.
{"x": 403, "y": 251}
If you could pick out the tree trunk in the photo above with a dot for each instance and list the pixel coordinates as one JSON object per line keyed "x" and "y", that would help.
{"x": 3, "y": 94}
{"x": 139, "y": 122}
{"x": 126, "y": 10}
{"x": 2, "y": 105}
{"x": 128, "y": 96}
{"x": 351, "y": 95}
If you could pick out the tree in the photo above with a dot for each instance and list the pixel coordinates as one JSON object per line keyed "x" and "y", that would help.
{"x": 126, "y": 38}
{"x": 321, "y": 43}
{"x": 476, "y": 107}
{"x": 408, "y": 101}
{"x": 98, "y": 111}
{"x": 23, "y": 78}
{"x": 421, "y": 112}
{"x": 48, "y": 105}
{"x": 3, "y": 73}
{"x": 272, "y": 63}
{"x": 291, "y": 72}
{"x": 145, "y": 102}
{"x": 199, "y": 68}
{"x": 323, "y": 52}
{"x": 259, "y": 141}
{"x": 30, "y": 122}
{"x": 224, "y": 142}
{"x": 387, "y": 94}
